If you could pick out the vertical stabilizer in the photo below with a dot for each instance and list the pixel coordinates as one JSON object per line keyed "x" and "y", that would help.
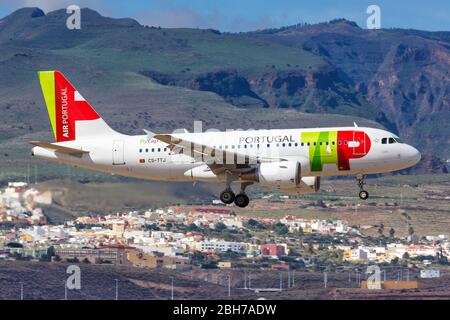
{"x": 71, "y": 116}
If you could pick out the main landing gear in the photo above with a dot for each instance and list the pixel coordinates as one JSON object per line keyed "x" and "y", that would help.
{"x": 363, "y": 194}
{"x": 227, "y": 196}
{"x": 241, "y": 199}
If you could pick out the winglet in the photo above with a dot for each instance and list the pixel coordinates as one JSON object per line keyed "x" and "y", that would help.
{"x": 354, "y": 123}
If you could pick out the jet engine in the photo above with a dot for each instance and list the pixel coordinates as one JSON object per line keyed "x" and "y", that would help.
{"x": 283, "y": 175}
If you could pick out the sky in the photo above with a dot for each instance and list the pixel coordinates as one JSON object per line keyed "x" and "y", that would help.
{"x": 246, "y": 15}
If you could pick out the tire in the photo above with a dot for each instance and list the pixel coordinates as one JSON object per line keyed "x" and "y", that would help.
{"x": 364, "y": 195}
{"x": 241, "y": 200}
{"x": 227, "y": 196}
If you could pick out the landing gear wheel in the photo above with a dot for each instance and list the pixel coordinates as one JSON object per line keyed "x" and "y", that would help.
{"x": 363, "y": 194}
{"x": 241, "y": 200}
{"x": 227, "y": 196}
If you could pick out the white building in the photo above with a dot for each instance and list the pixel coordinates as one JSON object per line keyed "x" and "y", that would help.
{"x": 223, "y": 246}
{"x": 233, "y": 223}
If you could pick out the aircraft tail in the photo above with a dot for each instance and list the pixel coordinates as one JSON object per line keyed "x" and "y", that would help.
{"x": 71, "y": 116}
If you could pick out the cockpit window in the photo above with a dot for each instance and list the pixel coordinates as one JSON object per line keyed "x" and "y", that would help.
{"x": 391, "y": 140}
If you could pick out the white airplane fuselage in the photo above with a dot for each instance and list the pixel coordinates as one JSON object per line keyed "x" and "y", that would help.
{"x": 141, "y": 157}
{"x": 292, "y": 160}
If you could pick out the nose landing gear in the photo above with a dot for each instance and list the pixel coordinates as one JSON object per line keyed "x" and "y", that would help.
{"x": 363, "y": 194}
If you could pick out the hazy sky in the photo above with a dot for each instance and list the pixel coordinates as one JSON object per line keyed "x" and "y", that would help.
{"x": 244, "y": 15}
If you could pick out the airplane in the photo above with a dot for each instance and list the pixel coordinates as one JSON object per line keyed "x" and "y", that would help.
{"x": 290, "y": 160}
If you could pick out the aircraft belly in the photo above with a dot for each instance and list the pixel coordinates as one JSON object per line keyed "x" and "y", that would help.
{"x": 168, "y": 171}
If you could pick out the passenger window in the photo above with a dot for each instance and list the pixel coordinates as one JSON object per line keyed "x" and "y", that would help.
{"x": 333, "y": 143}
{"x": 296, "y": 144}
{"x": 391, "y": 140}
{"x": 345, "y": 142}
{"x": 290, "y": 144}
{"x": 268, "y": 145}
{"x": 303, "y": 144}
{"x": 140, "y": 150}
{"x": 146, "y": 150}
{"x": 159, "y": 149}
{"x": 309, "y": 144}
{"x": 315, "y": 143}
{"x": 339, "y": 142}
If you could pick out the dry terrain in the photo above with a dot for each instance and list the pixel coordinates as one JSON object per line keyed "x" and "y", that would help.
{"x": 45, "y": 281}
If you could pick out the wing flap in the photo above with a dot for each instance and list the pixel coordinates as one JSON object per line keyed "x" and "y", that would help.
{"x": 203, "y": 152}
{"x": 217, "y": 159}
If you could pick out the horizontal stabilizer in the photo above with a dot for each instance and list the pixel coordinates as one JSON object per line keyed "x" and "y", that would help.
{"x": 59, "y": 148}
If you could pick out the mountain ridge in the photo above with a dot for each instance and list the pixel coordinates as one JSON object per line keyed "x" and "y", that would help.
{"x": 395, "y": 77}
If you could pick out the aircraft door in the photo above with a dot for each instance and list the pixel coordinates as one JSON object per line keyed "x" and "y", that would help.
{"x": 359, "y": 143}
{"x": 118, "y": 152}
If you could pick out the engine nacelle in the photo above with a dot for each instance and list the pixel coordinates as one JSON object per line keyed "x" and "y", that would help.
{"x": 281, "y": 175}
{"x": 285, "y": 176}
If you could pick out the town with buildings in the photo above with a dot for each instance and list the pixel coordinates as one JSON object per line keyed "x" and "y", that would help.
{"x": 186, "y": 237}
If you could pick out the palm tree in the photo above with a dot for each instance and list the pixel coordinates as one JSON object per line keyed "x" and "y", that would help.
{"x": 406, "y": 219}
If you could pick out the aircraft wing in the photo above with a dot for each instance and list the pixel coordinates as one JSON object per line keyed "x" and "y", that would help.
{"x": 59, "y": 148}
{"x": 219, "y": 160}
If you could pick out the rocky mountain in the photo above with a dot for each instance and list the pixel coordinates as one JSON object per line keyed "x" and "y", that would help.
{"x": 404, "y": 73}
{"x": 149, "y": 77}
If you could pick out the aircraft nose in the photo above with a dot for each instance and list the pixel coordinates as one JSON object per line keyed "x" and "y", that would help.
{"x": 412, "y": 154}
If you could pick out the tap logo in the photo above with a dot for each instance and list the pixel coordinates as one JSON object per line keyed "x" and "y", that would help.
{"x": 335, "y": 147}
